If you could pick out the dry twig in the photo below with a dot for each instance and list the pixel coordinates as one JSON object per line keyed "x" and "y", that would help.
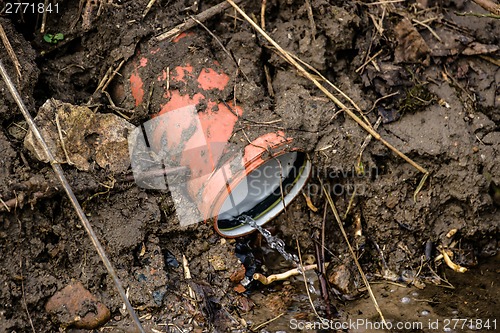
{"x": 489, "y": 5}
{"x": 148, "y": 8}
{"x": 44, "y": 17}
{"x": 10, "y": 51}
{"x": 203, "y": 16}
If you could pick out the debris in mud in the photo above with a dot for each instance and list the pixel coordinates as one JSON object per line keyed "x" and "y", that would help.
{"x": 342, "y": 279}
{"x": 411, "y": 46}
{"x": 78, "y": 136}
{"x": 435, "y": 86}
{"x": 150, "y": 282}
{"x": 75, "y": 306}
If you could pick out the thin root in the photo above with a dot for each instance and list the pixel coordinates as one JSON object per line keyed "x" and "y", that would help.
{"x": 283, "y": 276}
{"x": 450, "y": 263}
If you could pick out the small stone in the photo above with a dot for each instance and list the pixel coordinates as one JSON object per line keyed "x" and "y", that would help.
{"x": 392, "y": 200}
{"x": 340, "y": 277}
{"x": 238, "y": 274}
{"x": 239, "y": 288}
{"x": 244, "y": 304}
{"x": 218, "y": 263}
{"x": 75, "y": 306}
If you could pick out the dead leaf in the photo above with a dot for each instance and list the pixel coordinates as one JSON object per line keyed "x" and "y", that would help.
{"x": 411, "y": 46}
{"x": 87, "y": 136}
{"x": 476, "y": 48}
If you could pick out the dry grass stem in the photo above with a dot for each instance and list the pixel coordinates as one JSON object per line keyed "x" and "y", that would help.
{"x": 333, "y": 86}
{"x": 368, "y": 139}
{"x": 44, "y": 17}
{"x": 10, "y": 51}
{"x": 376, "y": 3}
{"x": 113, "y": 74}
{"x": 302, "y": 269}
{"x": 25, "y": 305}
{"x": 263, "y": 14}
{"x": 310, "y": 16}
{"x": 258, "y": 327}
{"x": 5, "y": 205}
{"x": 301, "y": 69}
{"x": 370, "y": 59}
{"x": 148, "y": 8}
{"x": 381, "y": 99}
{"x": 63, "y": 145}
{"x": 104, "y": 79}
{"x": 489, "y": 5}
{"x": 351, "y": 203}
{"x": 203, "y": 16}
{"x": 108, "y": 77}
{"x": 490, "y": 59}
{"x": 187, "y": 276}
{"x": 428, "y": 28}
{"x": 479, "y": 15}
{"x": 309, "y": 202}
{"x": 378, "y": 24}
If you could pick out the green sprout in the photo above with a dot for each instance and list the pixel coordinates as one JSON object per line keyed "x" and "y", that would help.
{"x": 53, "y": 39}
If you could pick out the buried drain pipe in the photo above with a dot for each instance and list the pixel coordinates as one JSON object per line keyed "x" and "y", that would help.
{"x": 74, "y": 201}
{"x": 226, "y": 187}
{"x": 192, "y": 128}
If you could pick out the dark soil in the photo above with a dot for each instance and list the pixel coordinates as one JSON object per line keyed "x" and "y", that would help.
{"x": 439, "y": 102}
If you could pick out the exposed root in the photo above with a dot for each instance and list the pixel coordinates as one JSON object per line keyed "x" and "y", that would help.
{"x": 283, "y": 276}
{"x": 450, "y": 263}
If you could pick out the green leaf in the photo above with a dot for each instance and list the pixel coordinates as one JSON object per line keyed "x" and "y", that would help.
{"x": 53, "y": 39}
{"x": 49, "y": 38}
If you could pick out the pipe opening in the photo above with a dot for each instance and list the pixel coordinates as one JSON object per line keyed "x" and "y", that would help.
{"x": 263, "y": 193}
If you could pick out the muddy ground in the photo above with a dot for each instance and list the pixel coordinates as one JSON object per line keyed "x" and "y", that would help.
{"x": 428, "y": 69}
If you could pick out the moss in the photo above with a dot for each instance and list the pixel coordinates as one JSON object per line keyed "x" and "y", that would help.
{"x": 416, "y": 99}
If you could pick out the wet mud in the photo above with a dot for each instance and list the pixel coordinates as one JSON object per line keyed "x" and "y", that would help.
{"x": 427, "y": 69}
